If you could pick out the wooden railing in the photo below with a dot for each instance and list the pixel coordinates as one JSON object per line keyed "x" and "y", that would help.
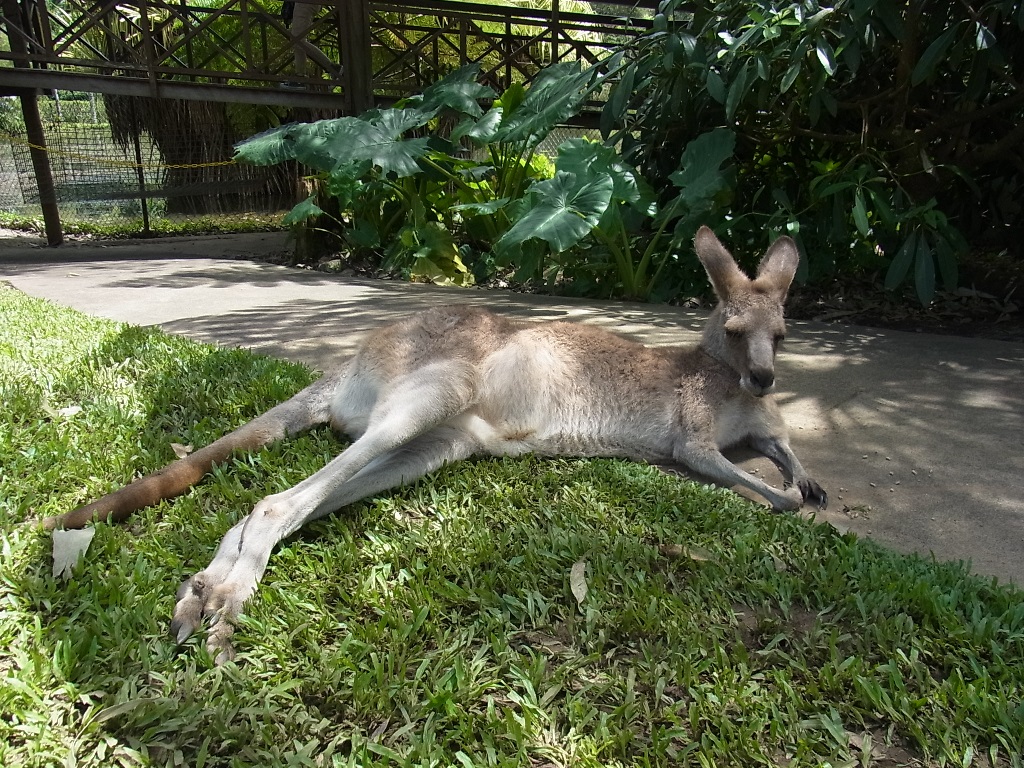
{"x": 417, "y": 41}
{"x": 356, "y": 51}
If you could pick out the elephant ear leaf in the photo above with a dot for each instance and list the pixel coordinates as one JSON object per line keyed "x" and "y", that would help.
{"x": 395, "y": 122}
{"x": 589, "y": 159}
{"x": 270, "y": 147}
{"x": 307, "y": 209}
{"x": 351, "y": 141}
{"x": 562, "y": 213}
{"x": 481, "y": 131}
{"x": 328, "y": 145}
{"x": 458, "y": 91}
{"x": 555, "y": 95}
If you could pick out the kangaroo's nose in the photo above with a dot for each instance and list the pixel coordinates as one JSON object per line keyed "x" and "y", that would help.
{"x": 762, "y": 378}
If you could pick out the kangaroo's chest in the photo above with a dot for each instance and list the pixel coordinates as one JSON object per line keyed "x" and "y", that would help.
{"x": 716, "y": 410}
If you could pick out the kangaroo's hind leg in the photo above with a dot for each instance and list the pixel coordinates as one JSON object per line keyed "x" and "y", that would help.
{"x": 407, "y": 437}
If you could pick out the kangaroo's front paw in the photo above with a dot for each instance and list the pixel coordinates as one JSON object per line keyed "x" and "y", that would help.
{"x": 813, "y": 493}
{"x": 199, "y": 598}
{"x": 790, "y": 500}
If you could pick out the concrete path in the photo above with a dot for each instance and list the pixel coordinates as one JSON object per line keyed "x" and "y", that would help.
{"x": 919, "y": 439}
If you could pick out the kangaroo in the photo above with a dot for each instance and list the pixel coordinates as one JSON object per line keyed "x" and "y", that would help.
{"x": 451, "y": 383}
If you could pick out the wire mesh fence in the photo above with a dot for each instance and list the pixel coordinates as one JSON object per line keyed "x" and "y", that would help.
{"x": 153, "y": 166}
{"x": 140, "y": 166}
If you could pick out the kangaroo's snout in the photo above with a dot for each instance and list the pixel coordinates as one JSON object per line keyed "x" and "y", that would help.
{"x": 760, "y": 382}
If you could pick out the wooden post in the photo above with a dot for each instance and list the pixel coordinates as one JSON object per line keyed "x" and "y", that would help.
{"x": 34, "y": 129}
{"x": 354, "y": 36}
{"x": 41, "y": 166}
{"x": 140, "y": 173}
{"x": 554, "y": 32}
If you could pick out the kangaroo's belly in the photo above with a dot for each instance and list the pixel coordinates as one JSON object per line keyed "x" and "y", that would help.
{"x": 558, "y": 439}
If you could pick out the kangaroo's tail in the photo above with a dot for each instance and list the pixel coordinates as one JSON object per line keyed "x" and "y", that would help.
{"x": 305, "y": 410}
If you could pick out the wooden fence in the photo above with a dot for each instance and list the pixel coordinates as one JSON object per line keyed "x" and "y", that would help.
{"x": 350, "y": 54}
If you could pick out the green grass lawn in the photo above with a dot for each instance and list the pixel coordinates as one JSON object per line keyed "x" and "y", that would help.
{"x": 437, "y": 625}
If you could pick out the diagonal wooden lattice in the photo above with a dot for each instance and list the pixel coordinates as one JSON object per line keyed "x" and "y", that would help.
{"x": 172, "y": 46}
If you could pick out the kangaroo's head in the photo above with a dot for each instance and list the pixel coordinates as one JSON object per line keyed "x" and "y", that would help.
{"x": 747, "y": 326}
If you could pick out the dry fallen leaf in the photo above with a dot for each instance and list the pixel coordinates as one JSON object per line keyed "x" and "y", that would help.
{"x": 693, "y": 552}
{"x": 671, "y": 550}
{"x": 578, "y": 580}
{"x": 181, "y": 451}
{"x": 68, "y": 546}
{"x": 700, "y": 554}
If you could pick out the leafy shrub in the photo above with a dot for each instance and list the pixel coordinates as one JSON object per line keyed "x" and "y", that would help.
{"x": 603, "y": 227}
{"x": 872, "y": 132}
{"x": 430, "y": 209}
{"x": 422, "y": 201}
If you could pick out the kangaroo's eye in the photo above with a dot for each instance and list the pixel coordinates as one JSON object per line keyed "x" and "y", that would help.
{"x": 733, "y": 334}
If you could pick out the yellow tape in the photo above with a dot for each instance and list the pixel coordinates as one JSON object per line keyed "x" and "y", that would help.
{"x": 116, "y": 163}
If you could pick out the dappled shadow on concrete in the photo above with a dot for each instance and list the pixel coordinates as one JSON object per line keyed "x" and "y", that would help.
{"x": 924, "y": 433}
{"x": 19, "y": 249}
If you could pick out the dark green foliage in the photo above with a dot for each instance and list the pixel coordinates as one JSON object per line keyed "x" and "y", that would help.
{"x": 873, "y": 132}
{"x": 876, "y": 134}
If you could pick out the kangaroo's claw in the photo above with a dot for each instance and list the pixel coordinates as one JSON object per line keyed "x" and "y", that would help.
{"x": 220, "y": 603}
{"x": 813, "y": 493}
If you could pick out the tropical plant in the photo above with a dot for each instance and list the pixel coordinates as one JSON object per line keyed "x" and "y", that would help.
{"x": 591, "y": 225}
{"x": 873, "y": 132}
{"x": 410, "y": 195}
{"x": 632, "y": 237}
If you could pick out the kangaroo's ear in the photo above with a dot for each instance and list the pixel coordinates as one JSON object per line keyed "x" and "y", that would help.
{"x": 725, "y": 275}
{"x": 778, "y": 266}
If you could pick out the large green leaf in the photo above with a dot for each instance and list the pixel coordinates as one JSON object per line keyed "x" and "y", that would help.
{"x": 924, "y": 272}
{"x": 345, "y": 183}
{"x": 564, "y": 211}
{"x": 932, "y": 55}
{"x": 826, "y": 56}
{"x": 589, "y": 160}
{"x": 737, "y": 90}
{"x": 306, "y": 142}
{"x": 307, "y": 209}
{"x": 488, "y": 207}
{"x": 352, "y": 140}
{"x": 700, "y": 176}
{"x": 314, "y": 144}
{"x": 270, "y": 147}
{"x": 901, "y": 263}
{"x": 554, "y": 96}
{"x": 459, "y": 91}
{"x": 860, "y": 213}
{"x": 395, "y": 122}
{"x": 328, "y": 145}
{"x": 481, "y": 132}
